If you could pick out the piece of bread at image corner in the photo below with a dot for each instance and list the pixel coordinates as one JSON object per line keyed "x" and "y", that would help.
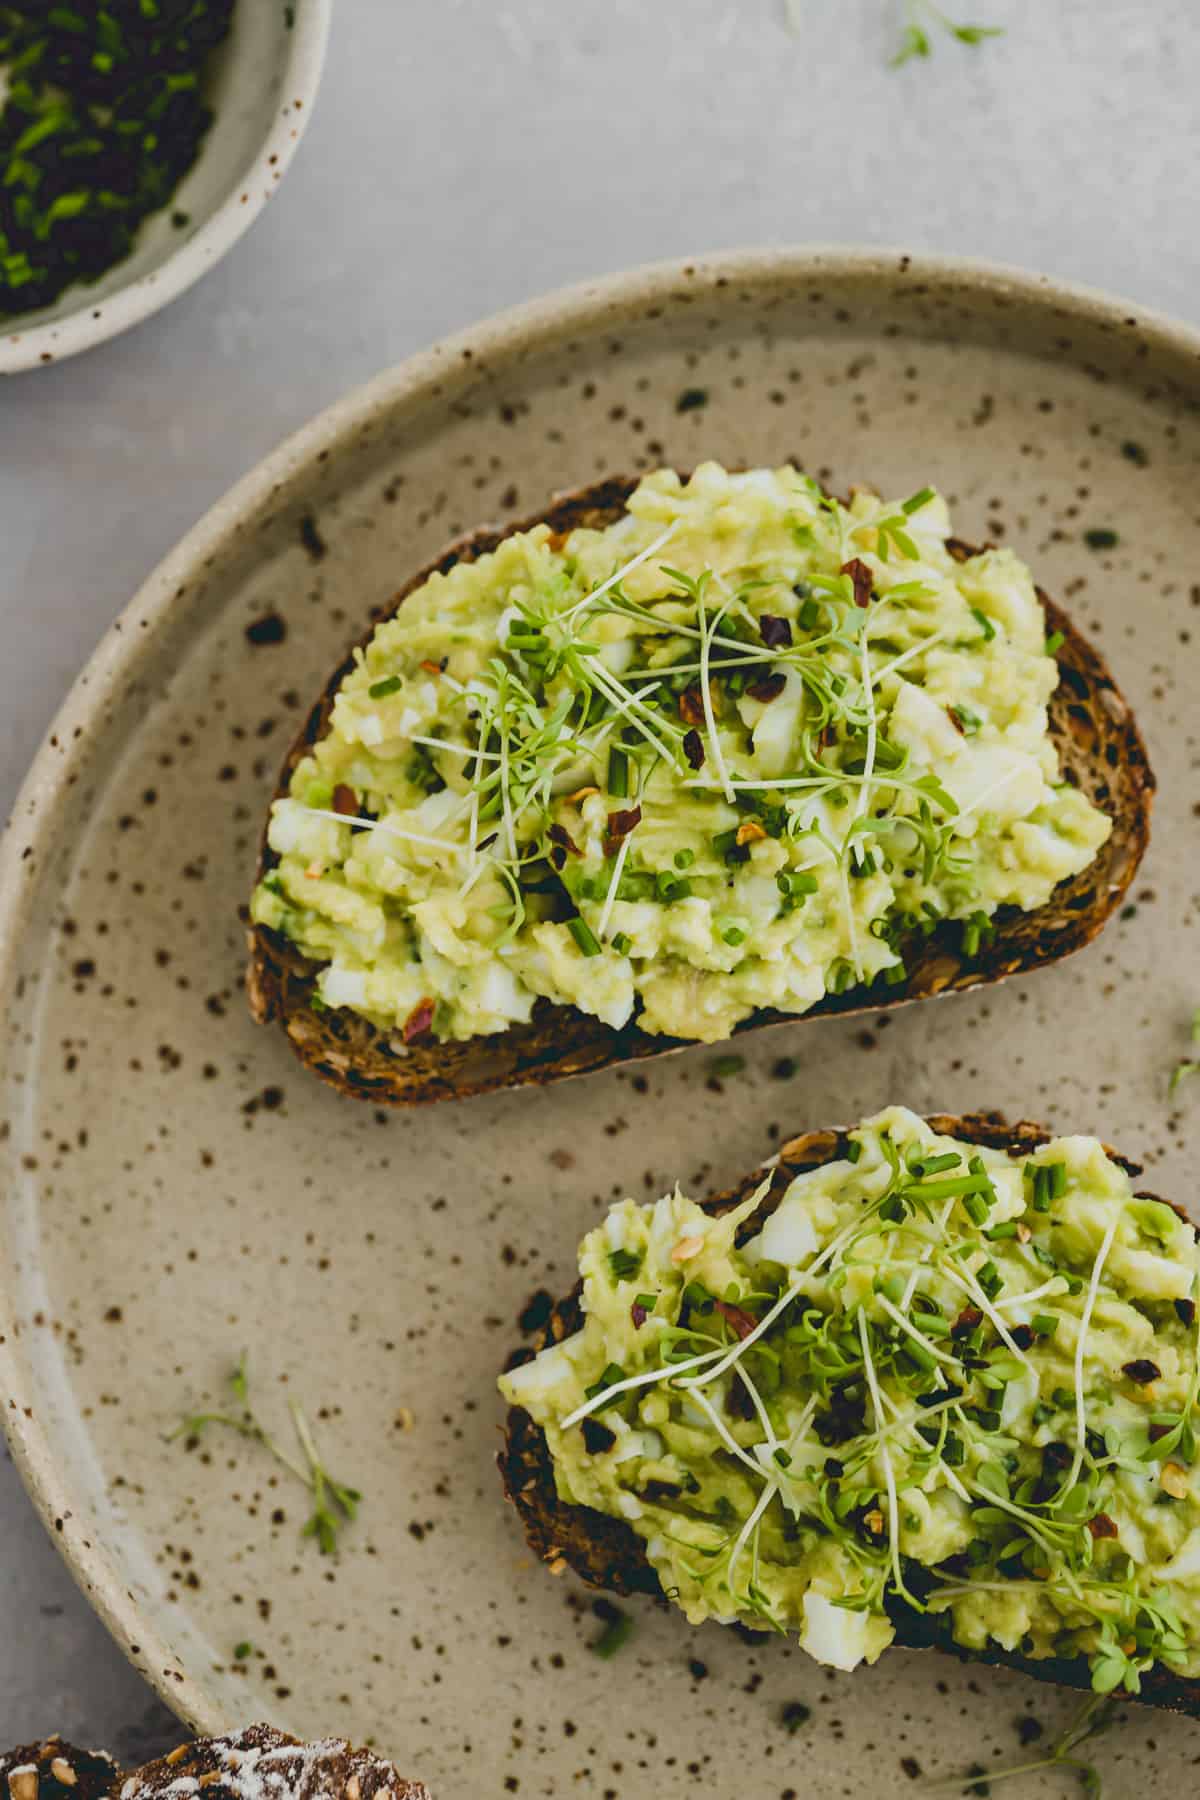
{"x": 978, "y": 1390}
{"x": 258, "y": 1763}
{"x": 606, "y": 827}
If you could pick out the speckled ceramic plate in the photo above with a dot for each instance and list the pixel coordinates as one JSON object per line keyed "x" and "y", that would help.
{"x": 177, "y": 1189}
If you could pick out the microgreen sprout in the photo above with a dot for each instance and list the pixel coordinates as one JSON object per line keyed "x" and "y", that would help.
{"x": 915, "y": 37}
{"x": 1189, "y": 1065}
{"x": 1096, "y": 1714}
{"x": 334, "y": 1502}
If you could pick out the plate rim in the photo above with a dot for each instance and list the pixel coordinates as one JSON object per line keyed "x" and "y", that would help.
{"x": 131, "y": 636}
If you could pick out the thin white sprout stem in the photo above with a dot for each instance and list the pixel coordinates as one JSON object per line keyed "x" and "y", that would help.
{"x": 889, "y": 1473}
{"x": 468, "y": 750}
{"x": 710, "y": 720}
{"x": 926, "y": 1254}
{"x": 1085, "y": 1323}
{"x": 411, "y": 837}
{"x": 764, "y": 1500}
{"x": 1057, "y": 1284}
{"x": 611, "y": 897}
{"x": 646, "y": 1377}
{"x": 918, "y": 1337}
{"x": 751, "y": 1337}
{"x": 634, "y": 562}
{"x": 964, "y": 1280}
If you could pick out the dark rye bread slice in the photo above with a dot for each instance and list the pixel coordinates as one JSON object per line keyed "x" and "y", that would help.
{"x": 259, "y": 1763}
{"x": 1100, "y": 749}
{"x": 607, "y": 1553}
{"x": 54, "y": 1770}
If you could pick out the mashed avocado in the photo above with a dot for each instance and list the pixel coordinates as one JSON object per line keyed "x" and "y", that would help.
{"x": 935, "y": 1375}
{"x": 727, "y": 753}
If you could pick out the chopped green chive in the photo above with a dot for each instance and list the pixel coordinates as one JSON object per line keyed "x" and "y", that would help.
{"x": 612, "y": 1374}
{"x": 622, "y": 944}
{"x": 783, "y": 1458}
{"x": 683, "y": 859}
{"x": 915, "y": 502}
{"x": 1054, "y": 643}
{"x": 1044, "y": 1324}
{"x": 733, "y": 935}
{"x": 618, "y": 773}
{"x": 379, "y": 690}
{"x": 616, "y": 1633}
{"x": 243, "y": 1650}
{"x": 1100, "y": 537}
{"x": 584, "y": 936}
{"x": 984, "y": 623}
{"x": 624, "y": 1263}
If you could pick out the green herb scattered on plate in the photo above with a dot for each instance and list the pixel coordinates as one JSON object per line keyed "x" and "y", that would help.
{"x": 333, "y": 1501}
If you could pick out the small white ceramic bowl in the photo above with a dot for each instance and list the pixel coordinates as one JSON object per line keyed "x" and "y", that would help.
{"x": 266, "y": 78}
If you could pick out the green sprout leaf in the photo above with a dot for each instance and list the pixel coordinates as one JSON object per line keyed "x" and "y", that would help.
{"x": 915, "y": 39}
{"x": 334, "y": 1502}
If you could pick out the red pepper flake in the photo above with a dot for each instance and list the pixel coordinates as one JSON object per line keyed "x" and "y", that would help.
{"x": 1154, "y": 1432}
{"x": 597, "y": 1438}
{"x": 434, "y": 668}
{"x": 739, "y": 1322}
{"x": 1102, "y": 1526}
{"x": 693, "y": 749}
{"x": 419, "y": 1020}
{"x": 955, "y": 718}
{"x": 345, "y": 800}
{"x": 776, "y": 633}
{"x": 1022, "y": 1336}
{"x": 767, "y": 687}
{"x": 1142, "y": 1370}
{"x": 749, "y": 832}
{"x": 691, "y": 705}
{"x": 620, "y": 824}
{"x": 860, "y": 575}
{"x": 558, "y": 834}
{"x": 966, "y": 1322}
{"x": 639, "y": 1315}
{"x": 826, "y": 737}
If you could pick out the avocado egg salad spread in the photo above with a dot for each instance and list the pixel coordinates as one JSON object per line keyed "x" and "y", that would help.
{"x": 721, "y": 755}
{"x": 936, "y": 1377}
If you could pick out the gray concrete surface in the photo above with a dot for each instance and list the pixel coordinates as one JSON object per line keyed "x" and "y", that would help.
{"x": 466, "y": 154}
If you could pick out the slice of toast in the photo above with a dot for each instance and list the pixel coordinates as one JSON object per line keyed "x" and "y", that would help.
{"x": 257, "y": 1763}
{"x": 1100, "y": 750}
{"x": 607, "y": 1553}
{"x": 261, "y": 1763}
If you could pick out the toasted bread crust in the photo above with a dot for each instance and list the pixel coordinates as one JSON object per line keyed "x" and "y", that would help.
{"x": 607, "y": 1553}
{"x": 52, "y": 1769}
{"x": 261, "y": 1763}
{"x": 1101, "y": 751}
